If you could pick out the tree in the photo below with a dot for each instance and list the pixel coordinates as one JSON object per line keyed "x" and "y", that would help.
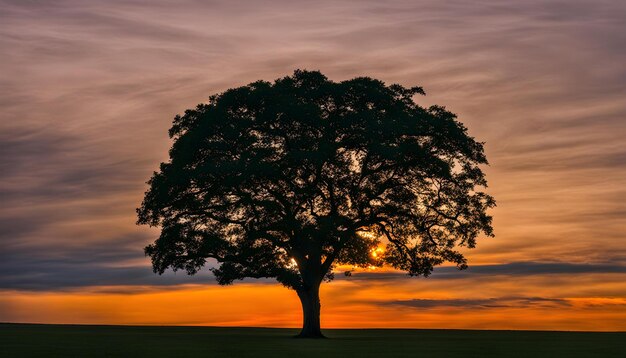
{"x": 289, "y": 179}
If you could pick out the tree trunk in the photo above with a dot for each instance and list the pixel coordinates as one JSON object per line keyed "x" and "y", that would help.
{"x": 310, "y": 299}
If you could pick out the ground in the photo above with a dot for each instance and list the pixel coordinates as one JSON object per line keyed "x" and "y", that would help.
{"x": 24, "y": 340}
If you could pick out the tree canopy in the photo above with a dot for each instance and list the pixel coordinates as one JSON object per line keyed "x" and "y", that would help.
{"x": 288, "y": 179}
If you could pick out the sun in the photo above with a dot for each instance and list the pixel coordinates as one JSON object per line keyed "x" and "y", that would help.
{"x": 378, "y": 252}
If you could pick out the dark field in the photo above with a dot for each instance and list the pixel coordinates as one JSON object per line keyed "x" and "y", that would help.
{"x": 24, "y": 340}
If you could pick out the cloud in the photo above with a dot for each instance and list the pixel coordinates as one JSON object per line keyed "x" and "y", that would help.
{"x": 480, "y": 303}
{"x": 506, "y": 270}
{"x": 123, "y": 266}
{"x": 539, "y": 268}
{"x": 507, "y": 302}
{"x": 44, "y": 165}
{"x": 53, "y": 275}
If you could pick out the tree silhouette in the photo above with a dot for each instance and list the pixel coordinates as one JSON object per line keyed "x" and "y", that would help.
{"x": 289, "y": 179}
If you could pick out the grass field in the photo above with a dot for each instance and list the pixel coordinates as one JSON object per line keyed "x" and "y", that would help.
{"x": 25, "y": 340}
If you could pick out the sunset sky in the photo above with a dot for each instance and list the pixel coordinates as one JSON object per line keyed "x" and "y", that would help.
{"x": 88, "y": 90}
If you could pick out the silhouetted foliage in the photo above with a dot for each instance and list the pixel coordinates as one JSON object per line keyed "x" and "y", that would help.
{"x": 289, "y": 179}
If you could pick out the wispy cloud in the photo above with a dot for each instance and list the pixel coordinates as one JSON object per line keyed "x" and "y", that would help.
{"x": 512, "y": 270}
{"x": 480, "y": 303}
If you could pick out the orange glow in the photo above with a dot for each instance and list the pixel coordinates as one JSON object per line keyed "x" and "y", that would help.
{"x": 346, "y": 303}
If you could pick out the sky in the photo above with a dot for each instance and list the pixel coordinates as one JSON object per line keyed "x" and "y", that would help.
{"x": 88, "y": 90}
